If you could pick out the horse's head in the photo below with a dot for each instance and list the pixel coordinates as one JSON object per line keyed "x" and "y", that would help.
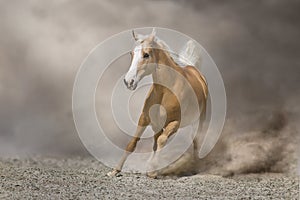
{"x": 143, "y": 60}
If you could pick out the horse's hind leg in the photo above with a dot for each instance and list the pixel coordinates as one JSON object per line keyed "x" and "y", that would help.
{"x": 196, "y": 140}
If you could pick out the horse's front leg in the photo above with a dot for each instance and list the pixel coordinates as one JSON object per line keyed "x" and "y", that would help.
{"x": 161, "y": 140}
{"x": 143, "y": 123}
{"x": 155, "y": 137}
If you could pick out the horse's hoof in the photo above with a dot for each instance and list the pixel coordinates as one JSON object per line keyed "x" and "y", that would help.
{"x": 152, "y": 175}
{"x": 113, "y": 173}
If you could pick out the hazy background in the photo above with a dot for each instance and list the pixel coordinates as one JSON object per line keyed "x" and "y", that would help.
{"x": 255, "y": 44}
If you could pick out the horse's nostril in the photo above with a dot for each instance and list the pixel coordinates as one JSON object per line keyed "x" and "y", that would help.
{"x": 125, "y": 82}
{"x": 131, "y": 82}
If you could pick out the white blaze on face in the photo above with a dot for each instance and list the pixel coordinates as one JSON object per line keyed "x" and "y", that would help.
{"x": 132, "y": 72}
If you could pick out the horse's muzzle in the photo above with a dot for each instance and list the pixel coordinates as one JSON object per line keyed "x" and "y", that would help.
{"x": 131, "y": 85}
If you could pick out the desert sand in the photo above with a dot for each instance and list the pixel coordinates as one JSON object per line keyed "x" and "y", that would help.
{"x": 85, "y": 178}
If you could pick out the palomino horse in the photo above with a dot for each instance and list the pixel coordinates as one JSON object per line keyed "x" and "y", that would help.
{"x": 150, "y": 57}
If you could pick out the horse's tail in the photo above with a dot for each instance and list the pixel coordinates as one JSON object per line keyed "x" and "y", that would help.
{"x": 191, "y": 54}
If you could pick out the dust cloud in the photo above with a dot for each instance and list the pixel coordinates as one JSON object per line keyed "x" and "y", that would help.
{"x": 255, "y": 45}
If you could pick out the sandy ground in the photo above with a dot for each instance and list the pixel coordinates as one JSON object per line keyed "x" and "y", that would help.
{"x": 77, "y": 178}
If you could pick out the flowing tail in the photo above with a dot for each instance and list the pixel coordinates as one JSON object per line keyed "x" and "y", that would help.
{"x": 191, "y": 54}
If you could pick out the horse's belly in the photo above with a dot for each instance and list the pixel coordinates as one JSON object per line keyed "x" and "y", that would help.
{"x": 171, "y": 109}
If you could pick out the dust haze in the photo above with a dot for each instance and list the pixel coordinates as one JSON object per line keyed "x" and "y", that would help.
{"x": 254, "y": 43}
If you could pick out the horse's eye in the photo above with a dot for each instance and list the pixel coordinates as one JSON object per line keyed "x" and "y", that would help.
{"x": 146, "y": 55}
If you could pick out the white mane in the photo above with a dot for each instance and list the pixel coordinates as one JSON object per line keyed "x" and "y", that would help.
{"x": 189, "y": 54}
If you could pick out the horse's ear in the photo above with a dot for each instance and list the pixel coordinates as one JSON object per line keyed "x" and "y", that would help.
{"x": 152, "y": 35}
{"x": 134, "y": 36}
{"x": 153, "y": 32}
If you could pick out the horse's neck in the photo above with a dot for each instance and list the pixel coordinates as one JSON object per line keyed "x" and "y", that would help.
{"x": 166, "y": 59}
{"x": 167, "y": 70}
